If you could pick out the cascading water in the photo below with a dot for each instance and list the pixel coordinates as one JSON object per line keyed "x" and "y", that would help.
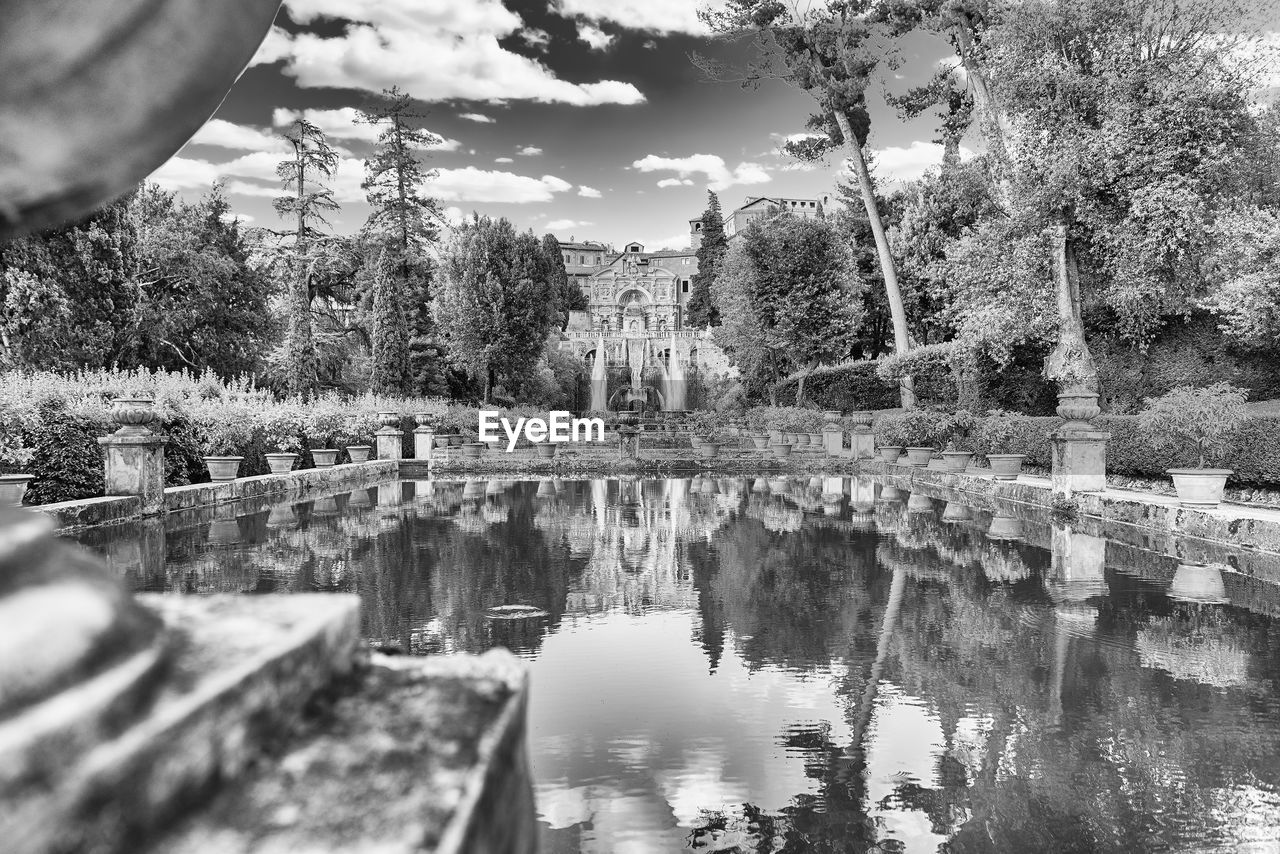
{"x": 599, "y": 381}
{"x": 674, "y": 391}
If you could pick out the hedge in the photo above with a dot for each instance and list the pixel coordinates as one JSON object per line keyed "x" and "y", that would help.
{"x": 1255, "y": 457}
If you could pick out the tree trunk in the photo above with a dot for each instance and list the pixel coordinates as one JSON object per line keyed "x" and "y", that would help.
{"x": 800, "y": 384}
{"x": 901, "y": 339}
{"x": 1070, "y": 364}
{"x": 988, "y": 115}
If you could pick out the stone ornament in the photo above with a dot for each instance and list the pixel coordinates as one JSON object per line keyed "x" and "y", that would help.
{"x": 134, "y": 415}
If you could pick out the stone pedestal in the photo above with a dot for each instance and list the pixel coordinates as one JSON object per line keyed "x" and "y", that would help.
{"x": 1079, "y": 461}
{"x": 862, "y": 445}
{"x": 390, "y": 442}
{"x": 423, "y": 441}
{"x": 833, "y": 442}
{"x": 135, "y": 466}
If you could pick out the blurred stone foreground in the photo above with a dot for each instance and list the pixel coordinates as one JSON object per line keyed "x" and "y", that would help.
{"x": 205, "y": 724}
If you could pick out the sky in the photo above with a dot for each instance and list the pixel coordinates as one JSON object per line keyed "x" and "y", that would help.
{"x": 586, "y": 119}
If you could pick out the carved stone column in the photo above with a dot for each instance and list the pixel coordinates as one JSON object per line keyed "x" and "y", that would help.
{"x": 389, "y": 439}
{"x": 1079, "y": 448}
{"x": 133, "y": 456}
{"x": 423, "y": 438}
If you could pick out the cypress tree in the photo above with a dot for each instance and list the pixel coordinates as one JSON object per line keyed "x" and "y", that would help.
{"x": 702, "y": 311}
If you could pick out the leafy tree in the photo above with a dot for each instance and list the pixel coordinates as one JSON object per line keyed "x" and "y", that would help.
{"x": 496, "y": 305}
{"x": 789, "y": 299}
{"x": 400, "y": 230}
{"x": 702, "y": 309}
{"x": 303, "y": 174}
{"x": 569, "y": 297}
{"x": 825, "y": 49}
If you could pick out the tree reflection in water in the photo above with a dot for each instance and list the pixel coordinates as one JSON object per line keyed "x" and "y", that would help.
{"x": 788, "y": 665}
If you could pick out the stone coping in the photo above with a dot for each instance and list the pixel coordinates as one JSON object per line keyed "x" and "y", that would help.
{"x": 1160, "y": 521}
{"x": 91, "y": 512}
{"x": 425, "y": 754}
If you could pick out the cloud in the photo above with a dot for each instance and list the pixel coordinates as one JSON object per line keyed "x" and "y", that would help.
{"x": 596, "y": 38}
{"x": 655, "y": 16}
{"x": 437, "y": 51}
{"x": 344, "y": 123}
{"x": 254, "y": 174}
{"x": 588, "y": 192}
{"x": 530, "y": 151}
{"x": 275, "y": 47}
{"x": 477, "y": 117}
{"x": 185, "y": 173}
{"x": 712, "y": 166}
{"x": 223, "y": 134}
{"x": 896, "y": 163}
{"x": 651, "y": 44}
{"x": 454, "y": 216}
{"x": 504, "y": 160}
{"x": 470, "y": 184}
{"x": 232, "y": 216}
{"x": 562, "y": 224}
{"x": 675, "y": 182}
{"x": 536, "y": 38}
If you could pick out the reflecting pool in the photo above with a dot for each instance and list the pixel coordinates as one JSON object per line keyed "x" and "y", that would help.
{"x": 803, "y": 664}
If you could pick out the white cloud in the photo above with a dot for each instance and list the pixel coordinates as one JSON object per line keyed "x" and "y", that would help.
{"x": 470, "y": 184}
{"x": 656, "y": 16}
{"x": 254, "y": 174}
{"x": 896, "y": 163}
{"x": 588, "y": 192}
{"x": 477, "y": 117}
{"x": 437, "y": 51}
{"x": 504, "y": 160}
{"x": 344, "y": 123}
{"x": 712, "y": 166}
{"x": 536, "y": 38}
{"x": 454, "y": 216}
{"x": 224, "y": 134}
{"x": 275, "y": 47}
{"x": 185, "y": 173}
{"x": 675, "y": 182}
{"x": 562, "y": 224}
{"x": 596, "y": 38}
{"x": 530, "y": 151}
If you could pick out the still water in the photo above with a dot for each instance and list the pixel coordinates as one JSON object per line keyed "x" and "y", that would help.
{"x": 792, "y": 665}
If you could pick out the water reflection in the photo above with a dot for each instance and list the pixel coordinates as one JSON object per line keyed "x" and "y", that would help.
{"x": 803, "y": 664}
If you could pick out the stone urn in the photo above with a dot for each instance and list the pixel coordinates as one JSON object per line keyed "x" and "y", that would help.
{"x": 135, "y": 415}
{"x": 389, "y": 419}
{"x": 1078, "y": 407}
{"x": 546, "y": 450}
{"x": 223, "y": 469}
{"x": 830, "y": 420}
{"x": 424, "y": 419}
{"x": 919, "y": 457}
{"x": 12, "y": 488}
{"x": 861, "y": 420}
{"x": 1006, "y": 466}
{"x": 956, "y": 461}
{"x": 281, "y": 463}
{"x": 358, "y": 453}
{"x": 1199, "y": 487}
{"x": 473, "y": 450}
{"x": 781, "y": 450}
{"x": 324, "y": 458}
{"x": 890, "y": 453}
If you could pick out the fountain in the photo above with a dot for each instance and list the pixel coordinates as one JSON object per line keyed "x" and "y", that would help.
{"x": 599, "y": 382}
{"x": 675, "y": 383}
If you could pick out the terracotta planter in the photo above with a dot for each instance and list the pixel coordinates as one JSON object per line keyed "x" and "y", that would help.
{"x": 442, "y": 440}
{"x": 815, "y": 439}
{"x": 12, "y": 488}
{"x": 761, "y": 442}
{"x": 223, "y": 469}
{"x": 457, "y": 440}
{"x": 890, "y": 494}
{"x": 358, "y": 453}
{"x": 956, "y": 461}
{"x": 780, "y": 449}
{"x": 1005, "y": 528}
{"x": 1006, "y": 466}
{"x": 281, "y": 463}
{"x": 919, "y": 457}
{"x": 776, "y": 437}
{"x": 324, "y": 458}
{"x": 473, "y": 450}
{"x": 802, "y": 439}
{"x": 708, "y": 449}
{"x": 917, "y": 503}
{"x": 956, "y": 513}
{"x": 1199, "y": 487}
{"x": 890, "y": 453}
{"x": 546, "y": 450}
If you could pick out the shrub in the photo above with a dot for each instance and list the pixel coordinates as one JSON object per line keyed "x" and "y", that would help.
{"x": 67, "y": 463}
{"x": 847, "y": 386}
{"x": 1201, "y": 420}
{"x": 914, "y": 428}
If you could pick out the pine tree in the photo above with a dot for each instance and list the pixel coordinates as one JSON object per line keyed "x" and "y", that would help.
{"x": 399, "y": 231}
{"x": 569, "y": 297}
{"x": 701, "y": 311}
{"x": 303, "y": 174}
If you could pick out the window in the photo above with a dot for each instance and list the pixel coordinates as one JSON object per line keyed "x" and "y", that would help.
{"x": 684, "y": 286}
{"x": 582, "y": 259}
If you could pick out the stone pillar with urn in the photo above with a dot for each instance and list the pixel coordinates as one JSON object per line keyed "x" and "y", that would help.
{"x": 390, "y": 441}
{"x": 424, "y": 437}
{"x": 832, "y": 433}
{"x": 133, "y": 456}
{"x": 1079, "y": 447}
{"x": 862, "y": 442}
